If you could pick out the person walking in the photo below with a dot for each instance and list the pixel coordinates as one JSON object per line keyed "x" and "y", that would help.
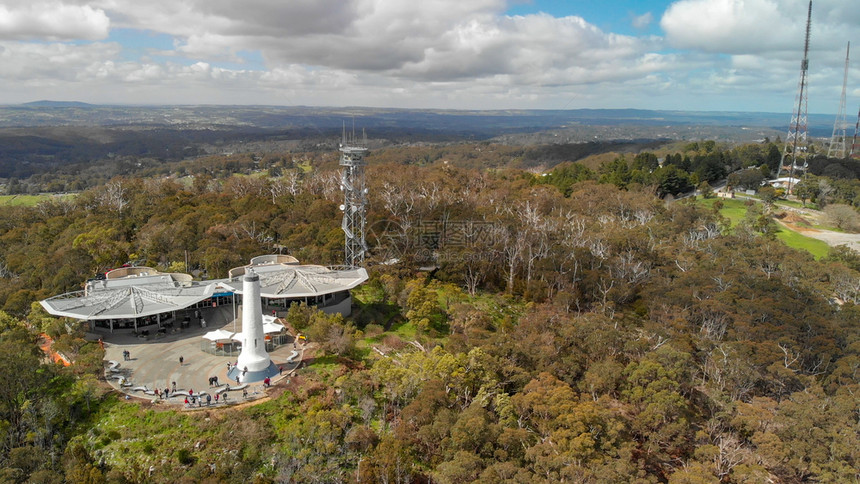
{"x": 173, "y": 389}
{"x": 181, "y": 360}
{"x": 209, "y": 399}
{"x": 216, "y": 399}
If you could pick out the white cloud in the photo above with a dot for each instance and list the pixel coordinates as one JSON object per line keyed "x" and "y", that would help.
{"x": 52, "y": 21}
{"x": 758, "y": 26}
{"x": 642, "y": 21}
{"x": 731, "y": 26}
{"x": 433, "y": 53}
{"x": 23, "y": 62}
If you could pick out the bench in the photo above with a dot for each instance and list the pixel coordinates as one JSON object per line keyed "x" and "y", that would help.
{"x": 123, "y": 381}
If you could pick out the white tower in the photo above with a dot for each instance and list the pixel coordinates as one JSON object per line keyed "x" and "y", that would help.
{"x": 253, "y": 356}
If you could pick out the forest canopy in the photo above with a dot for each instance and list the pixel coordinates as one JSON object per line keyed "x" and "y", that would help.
{"x": 565, "y": 326}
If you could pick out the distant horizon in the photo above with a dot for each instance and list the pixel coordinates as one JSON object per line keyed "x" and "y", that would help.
{"x": 143, "y": 105}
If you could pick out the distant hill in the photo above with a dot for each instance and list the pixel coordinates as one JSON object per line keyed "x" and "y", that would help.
{"x": 468, "y": 123}
{"x": 46, "y": 135}
{"x": 57, "y": 104}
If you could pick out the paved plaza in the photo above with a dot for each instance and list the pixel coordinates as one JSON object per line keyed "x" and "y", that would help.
{"x": 154, "y": 363}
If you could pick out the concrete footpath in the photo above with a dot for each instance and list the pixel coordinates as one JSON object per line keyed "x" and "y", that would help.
{"x": 154, "y": 363}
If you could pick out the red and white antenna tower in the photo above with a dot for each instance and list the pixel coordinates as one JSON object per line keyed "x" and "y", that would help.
{"x": 837, "y": 141}
{"x": 796, "y": 150}
{"x": 855, "y": 148}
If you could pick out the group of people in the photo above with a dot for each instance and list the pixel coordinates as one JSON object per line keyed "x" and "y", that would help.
{"x": 191, "y": 399}
{"x": 165, "y": 394}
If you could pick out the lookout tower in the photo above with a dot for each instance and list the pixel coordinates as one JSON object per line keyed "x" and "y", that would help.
{"x": 354, "y": 198}
{"x": 254, "y": 363}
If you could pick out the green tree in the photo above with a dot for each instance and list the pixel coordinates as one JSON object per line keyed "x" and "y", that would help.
{"x": 706, "y": 190}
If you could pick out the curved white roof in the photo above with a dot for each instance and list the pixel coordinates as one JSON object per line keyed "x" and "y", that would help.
{"x": 126, "y": 301}
{"x": 295, "y": 281}
{"x": 140, "y": 292}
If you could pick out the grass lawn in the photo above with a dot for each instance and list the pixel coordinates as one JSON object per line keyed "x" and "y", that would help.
{"x": 406, "y": 330}
{"x": 325, "y": 365}
{"x": 795, "y": 240}
{"x": 735, "y": 210}
{"x": 796, "y": 204}
{"x": 28, "y": 200}
{"x": 22, "y": 200}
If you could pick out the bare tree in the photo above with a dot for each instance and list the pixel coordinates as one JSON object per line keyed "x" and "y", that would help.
{"x": 113, "y": 196}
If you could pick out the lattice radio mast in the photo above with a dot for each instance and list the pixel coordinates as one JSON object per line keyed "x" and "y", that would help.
{"x": 837, "y": 141}
{"x": 796, "y": 150}
{"x": 354, "y": 197}
{"x": 855, "y": 148}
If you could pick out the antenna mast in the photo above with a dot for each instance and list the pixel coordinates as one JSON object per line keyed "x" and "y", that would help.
{"x": 837, "y": 140}
{"x": 855, "y": 148}
{"x": 354, "y": 198}
{"x": 796, "y": 151}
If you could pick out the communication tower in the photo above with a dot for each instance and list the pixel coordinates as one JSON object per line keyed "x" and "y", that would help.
{"x": 855, "y": 148}
{"x": 837, "y": 141}
{"x": 796, "y": 150}
{"x": 354, "y": 198}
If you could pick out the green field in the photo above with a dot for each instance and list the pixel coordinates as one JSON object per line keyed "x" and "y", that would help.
{"x": 27, "y": 200}
{"x": 795, "y": 240}
{"x": 796, "y": 204}
{"x": 735, "y": 210}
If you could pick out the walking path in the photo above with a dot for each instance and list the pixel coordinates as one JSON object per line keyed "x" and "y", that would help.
{"x": 830, "y": 237}
{"x": 155, "y": 364}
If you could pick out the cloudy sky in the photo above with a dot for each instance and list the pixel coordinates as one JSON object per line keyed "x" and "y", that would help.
{"x": 715, "y": 55}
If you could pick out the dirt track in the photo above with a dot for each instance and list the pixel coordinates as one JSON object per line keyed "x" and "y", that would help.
{"x": 829, "y": 237}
